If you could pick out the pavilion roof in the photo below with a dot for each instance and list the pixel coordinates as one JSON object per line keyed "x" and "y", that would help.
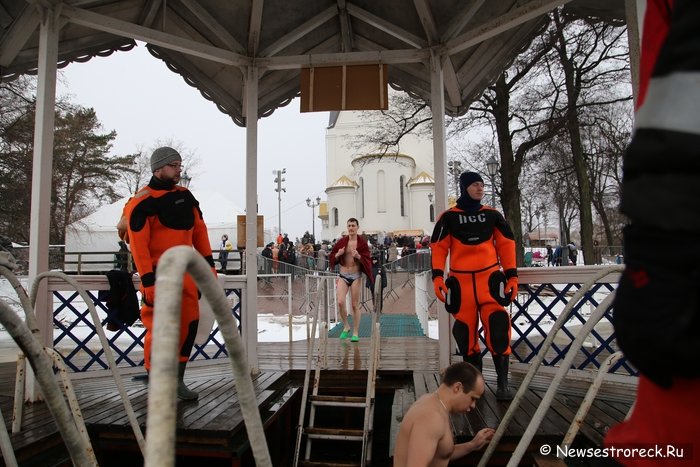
{"x": 211, "y": 43}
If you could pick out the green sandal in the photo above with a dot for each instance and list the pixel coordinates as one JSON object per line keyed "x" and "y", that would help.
{"x": 355, "y": 339}
{"x": 345, "y": 334}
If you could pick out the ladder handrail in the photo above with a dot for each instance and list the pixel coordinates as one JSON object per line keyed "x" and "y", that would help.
{"x": 80, "y": 452}
{"x": 162, "y": 405}
{"x": 307, "y": 374}
{"x": 589, "y": 398}
{"x": 372, "y": 366}
{"x": 111, "y": 361}
{"x": 539, "y": 358}
{"x": 373, "y": 363}
{"x": 563, "y": 369}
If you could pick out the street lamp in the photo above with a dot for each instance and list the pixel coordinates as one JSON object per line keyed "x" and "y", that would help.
{"x": 185, "y": 180}
{"x": 312, "y": 205}
{"x": 539, "y": 237}
{"x": 492, "y": 168}
{"x": 543, "y": 210}
{"x": 432, "y": 207}
{"x": 455, "y": 169}
{"x": 278, "y": 180}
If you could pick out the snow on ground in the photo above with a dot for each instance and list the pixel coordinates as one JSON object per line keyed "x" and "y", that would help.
{"x": 275, "y": 328}
{"x": 271, "y": 328}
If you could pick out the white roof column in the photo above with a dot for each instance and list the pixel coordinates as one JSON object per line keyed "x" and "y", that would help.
{"x": 250, "y": 320}
{"x": 437, "y": 107}
{"x": 39, "y": 226}
{"x": 634, "y": 16}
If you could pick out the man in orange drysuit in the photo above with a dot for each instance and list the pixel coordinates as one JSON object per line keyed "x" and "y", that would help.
{"x": 482, "y": 278}
{"x": 162, "y": 215}
{"x": 657, "y": 306}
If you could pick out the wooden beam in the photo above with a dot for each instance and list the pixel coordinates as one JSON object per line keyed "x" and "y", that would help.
{"x": 496, "y": 26}
{"x": 437, "y": 109}
{"x": 459, "y": 22}
{"x": 148, "y": 13}
{"x": 5, "y": 18}
{"x": 18, "y": 35}
{"x": 345, "y": 29}
{"x": 485, "y": 55}
{"x": 299, "y": 32}
{"x": 425, "y": 15}
{"x": 254, "y": 27}
{"x": 385, "y": 26}
{"x": 214, "y": 25}
{"x": 451, "y": 83}
{"x": 634, "y": 34}
{"x": 250, "y": 330}
{"x": 449, "y": 77}
{"x": 348, "y": 58}
{"x": 161, "y": 39}
{"x": 42, "y": 173}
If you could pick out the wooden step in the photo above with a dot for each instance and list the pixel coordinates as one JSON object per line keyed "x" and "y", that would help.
{"x": 547, "y": 461}
{"x": 338, "y": 401}
{"x": 328, "y": 464}
{"x": 342, "y": 434}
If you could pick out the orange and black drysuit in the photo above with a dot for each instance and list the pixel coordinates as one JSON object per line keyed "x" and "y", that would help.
{"x": 479, "y": 245}
{"x": 656, "y": 311}
{"x": 159, "y": 217}
{"x": 482, "y": 260}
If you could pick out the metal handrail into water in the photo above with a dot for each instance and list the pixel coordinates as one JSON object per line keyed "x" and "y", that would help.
{"x": 563, "y": 369}
{"x": 162, "y": 404}
{"x": 72, "y": 430}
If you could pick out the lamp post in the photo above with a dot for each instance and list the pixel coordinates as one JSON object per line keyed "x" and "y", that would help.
{"x": 455, "y": 169}
{"x": 543, "y": 211}
{"x": 492, "y": 168}
{"x": 185, "y": 180}
{"x": 278, "y": 180}
{"x": 431, "y": 209}
{"x": 312, "y": 205}
{"x": 539, "y": 237}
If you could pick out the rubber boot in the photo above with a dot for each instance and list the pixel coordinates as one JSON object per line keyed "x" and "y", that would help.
{"x": 474, "y": 359}
{"x": 501, "y": 363}
{"x": 183, "y": 392}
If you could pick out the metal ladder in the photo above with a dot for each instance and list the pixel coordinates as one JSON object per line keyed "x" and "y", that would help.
{"x": 314, "y": 401}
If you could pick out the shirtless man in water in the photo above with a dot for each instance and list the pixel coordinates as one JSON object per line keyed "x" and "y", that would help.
{"x": 352, "y": 254}
{"x": 425, "y": 435}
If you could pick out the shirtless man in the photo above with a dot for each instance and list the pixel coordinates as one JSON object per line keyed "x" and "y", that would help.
{"x": 425, "y": 436}
{"x": 352, "y": 254}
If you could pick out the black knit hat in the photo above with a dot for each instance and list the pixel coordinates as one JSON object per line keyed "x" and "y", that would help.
{"x": 164, "y": 156}
{"x": 467, "y": 178}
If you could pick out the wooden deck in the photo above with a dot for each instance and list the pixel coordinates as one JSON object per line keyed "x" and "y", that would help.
{"x": 212, "y": 426}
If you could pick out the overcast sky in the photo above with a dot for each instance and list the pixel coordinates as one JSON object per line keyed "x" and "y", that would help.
{"x": 136, "y": 95}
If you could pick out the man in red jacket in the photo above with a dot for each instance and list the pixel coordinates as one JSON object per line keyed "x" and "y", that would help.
{"x": 162, "y": 215}
{"x": 352, "y": 254}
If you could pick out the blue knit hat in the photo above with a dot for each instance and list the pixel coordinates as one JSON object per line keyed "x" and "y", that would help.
{"x": 467, "y": 178}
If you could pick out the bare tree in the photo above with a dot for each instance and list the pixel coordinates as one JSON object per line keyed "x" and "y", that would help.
{"x": 605, "y": 143}
{"x": 139, "y": 173}
{"x": 588, "y": 63}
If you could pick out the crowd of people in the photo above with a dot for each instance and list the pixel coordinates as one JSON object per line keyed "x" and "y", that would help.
{"x": 306, "y": 253}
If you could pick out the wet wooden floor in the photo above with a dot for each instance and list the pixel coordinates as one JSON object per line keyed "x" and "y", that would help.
{"x": 212, "y": 426}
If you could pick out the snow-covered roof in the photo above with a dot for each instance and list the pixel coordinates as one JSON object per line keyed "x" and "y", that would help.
{"x": 343, "y": 182}
{"x": 216, "y": 208}
{"x": 422, "y": 178}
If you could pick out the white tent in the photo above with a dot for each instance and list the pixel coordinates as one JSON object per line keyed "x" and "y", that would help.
{"x": 98, "y": 233}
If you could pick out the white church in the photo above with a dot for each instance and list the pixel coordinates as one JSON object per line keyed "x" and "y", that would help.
{"x": 389, "y": 195}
